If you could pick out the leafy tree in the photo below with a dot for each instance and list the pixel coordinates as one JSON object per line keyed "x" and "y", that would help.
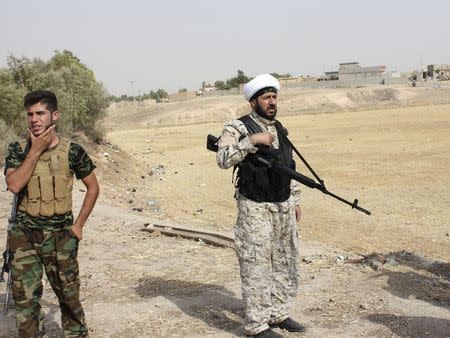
{"x": 25, "y": 73}
{"x": 159, "y": 95}
{"x": 220, "y": 85}
{"x": 11, "y": 109}
{"x": 232, "y": 82}
{"x": 162, "y": 93}
{"x": 241, "y": 78}
{"x": 237, "y": 80}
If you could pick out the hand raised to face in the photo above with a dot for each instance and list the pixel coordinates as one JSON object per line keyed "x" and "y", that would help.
{"x": 41, "y": 142}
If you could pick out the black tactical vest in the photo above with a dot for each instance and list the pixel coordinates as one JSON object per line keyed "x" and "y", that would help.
{"x": 255, "y": 180}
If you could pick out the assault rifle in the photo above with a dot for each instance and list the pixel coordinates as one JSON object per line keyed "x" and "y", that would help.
{"x": 266, "y": 157}
{"x": 7, "y": 255}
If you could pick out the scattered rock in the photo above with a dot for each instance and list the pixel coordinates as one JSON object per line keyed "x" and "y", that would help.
{"x": 158, "y": 170}
{"x": 153, "y": 204}
{"x": 140, "y": 209}
{"x": 391, "y": 261}
{"x": 374, "y": 260}
{"x": 316, "y": 308}
{"x": 341, "y": 258}
{"x": 109, "y": 144}
{"x": 155, "y": 233}
{"x": 363, "y": 306}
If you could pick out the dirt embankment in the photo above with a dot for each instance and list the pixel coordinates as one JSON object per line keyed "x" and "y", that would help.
{"x": 136, "y": 115}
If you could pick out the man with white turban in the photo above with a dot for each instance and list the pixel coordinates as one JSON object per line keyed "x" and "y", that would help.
{"x": 266, "y": 237}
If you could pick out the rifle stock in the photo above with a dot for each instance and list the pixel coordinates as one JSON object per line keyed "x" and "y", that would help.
{"x": 211, "y": 144}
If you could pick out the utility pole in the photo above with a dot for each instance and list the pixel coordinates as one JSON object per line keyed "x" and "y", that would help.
{"x": 132, "y": 82}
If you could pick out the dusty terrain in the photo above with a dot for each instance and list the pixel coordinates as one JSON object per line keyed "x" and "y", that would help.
{"x": 382, "y": 275}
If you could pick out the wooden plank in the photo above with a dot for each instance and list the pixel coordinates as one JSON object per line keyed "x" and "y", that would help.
{"x": 210, "y": 237}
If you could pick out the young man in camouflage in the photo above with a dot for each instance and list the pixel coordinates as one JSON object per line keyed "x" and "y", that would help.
{"x": 266, "y": 236}
{"x": 46, "y": 237}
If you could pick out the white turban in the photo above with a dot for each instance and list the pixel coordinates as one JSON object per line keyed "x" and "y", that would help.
{"x": 260, "y": 82}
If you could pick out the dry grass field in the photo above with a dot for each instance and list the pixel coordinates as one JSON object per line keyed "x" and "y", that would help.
{"x": 394, "y": 160}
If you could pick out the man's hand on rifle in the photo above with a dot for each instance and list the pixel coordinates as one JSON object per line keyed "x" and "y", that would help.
{"x": 264, "y": 138}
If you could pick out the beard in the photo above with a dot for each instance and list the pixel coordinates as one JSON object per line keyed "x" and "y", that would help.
{"x": 40, "y": 132}
{"x": 261, "y": 112}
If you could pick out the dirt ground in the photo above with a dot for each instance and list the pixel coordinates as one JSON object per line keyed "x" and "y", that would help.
{"x": 384, "y": 275}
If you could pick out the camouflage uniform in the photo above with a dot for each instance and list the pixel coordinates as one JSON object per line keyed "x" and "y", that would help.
{"x": 266, "y": 238}
{"x": 39, "y": 243}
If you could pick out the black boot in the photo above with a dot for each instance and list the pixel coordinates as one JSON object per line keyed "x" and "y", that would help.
{"x": 266, "y": 334}
{"x": 289, "y": 325}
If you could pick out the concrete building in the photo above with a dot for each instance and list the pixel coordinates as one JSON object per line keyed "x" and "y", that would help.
{"x": 351, "y": 71}
{"x": 331, "y": 76}
{"x": 439, "y": 71}
{"x": 292, "y": 81}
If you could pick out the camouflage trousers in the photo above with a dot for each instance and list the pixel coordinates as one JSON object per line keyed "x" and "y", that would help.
{"x": 266, "y": 240}
{"x": 56, "y": 252}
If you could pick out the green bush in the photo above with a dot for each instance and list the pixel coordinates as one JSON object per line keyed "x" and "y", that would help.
{"x": 232, "y": 82}
{"x": 82, "y": 101}
{"x": 8, "y": 136}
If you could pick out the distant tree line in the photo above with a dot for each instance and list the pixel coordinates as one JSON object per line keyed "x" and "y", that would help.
{"x": 241, "y": 78}
{"x": 158, "y": 95}
{"x": 82, "y": 100}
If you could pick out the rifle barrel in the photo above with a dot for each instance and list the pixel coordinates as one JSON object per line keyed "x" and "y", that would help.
{"x": 354, "y": 205}
{"x": 211, "y": 144}
{"x": 8, "y": 291}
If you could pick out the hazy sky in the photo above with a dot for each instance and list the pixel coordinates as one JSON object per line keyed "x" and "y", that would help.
{"x": 174, "y": 44}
